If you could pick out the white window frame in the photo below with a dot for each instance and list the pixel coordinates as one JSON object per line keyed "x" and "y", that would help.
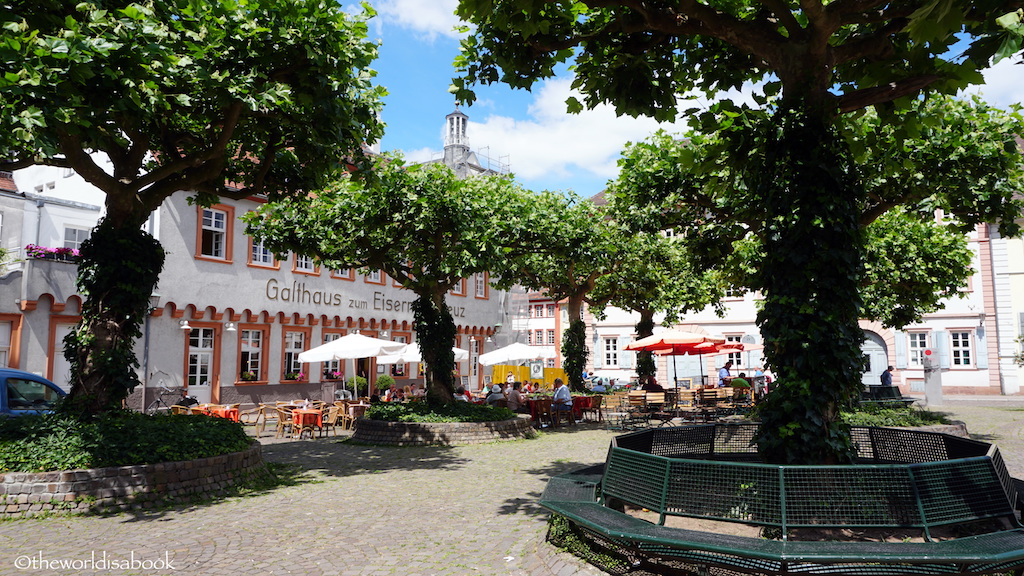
{"x": 294, "y": 343}
{"x": 250, "y": 352}
{"x": 215, "y": 223}
{"x": 611, "y": 351}
{"x": 961, "y": 349}
{"x": 481, "y": 285}
{"x": 917, "y": 343}
{"x": 201, "y": 343}
{"x": 81, "y": 235}
{"x": 735, "y": 357}
{"x": 304, "y": 263}
{"x": 261, "y": 255}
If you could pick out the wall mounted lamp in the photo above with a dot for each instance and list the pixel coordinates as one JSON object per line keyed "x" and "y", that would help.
{"x": 230, "y": 327}
{"x": 184, "y": 325}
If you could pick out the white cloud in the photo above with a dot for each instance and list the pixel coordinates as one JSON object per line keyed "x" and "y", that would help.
{"x": 1004, "y": 84}
{"x": 426, "y": 18}
{"x": 550, "y": 144}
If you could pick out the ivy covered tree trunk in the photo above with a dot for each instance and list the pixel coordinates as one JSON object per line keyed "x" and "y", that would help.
{"x": 118, "y": 269}
{"x": 574, "y": 346}
{"x": 435, "y": 331}
{"x": 645, "y": 365}
{"x": 810, "y": 281}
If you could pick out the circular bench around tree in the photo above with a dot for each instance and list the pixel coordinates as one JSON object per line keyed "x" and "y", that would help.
{"x": 955, "y": 493}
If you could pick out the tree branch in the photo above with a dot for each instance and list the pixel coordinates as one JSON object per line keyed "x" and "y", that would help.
{"x": 869, "y": 96}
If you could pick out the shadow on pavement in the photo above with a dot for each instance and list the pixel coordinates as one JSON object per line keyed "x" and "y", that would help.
{"x": 528, "y": 506}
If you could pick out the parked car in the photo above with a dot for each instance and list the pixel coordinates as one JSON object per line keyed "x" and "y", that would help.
{"x": 26, "y": 393}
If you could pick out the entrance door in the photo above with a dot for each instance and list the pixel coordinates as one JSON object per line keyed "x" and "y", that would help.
{"x": 200, "y": 364}
{"x": 875, "y": 358}
{"x": 61, "y": 375}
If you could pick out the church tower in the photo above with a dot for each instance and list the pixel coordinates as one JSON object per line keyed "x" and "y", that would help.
{"x": 456, "y": 144}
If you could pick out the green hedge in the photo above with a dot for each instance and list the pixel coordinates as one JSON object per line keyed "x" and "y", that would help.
{"x": 904, "y": 416}
{"x": 122, "y": 438}
{"x": 427, "y": 412}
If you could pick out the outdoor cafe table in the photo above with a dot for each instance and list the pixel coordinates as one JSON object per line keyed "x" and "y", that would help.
{"x": 221, "y": 411}
{"x": 307, "y": 419}
{"x": 579, "y": 403}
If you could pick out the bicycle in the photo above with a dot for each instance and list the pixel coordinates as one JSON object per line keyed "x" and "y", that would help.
{"x": 159, "y": 405}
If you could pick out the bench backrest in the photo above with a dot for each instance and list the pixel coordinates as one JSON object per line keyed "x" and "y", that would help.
{"x": 916, "y": 496}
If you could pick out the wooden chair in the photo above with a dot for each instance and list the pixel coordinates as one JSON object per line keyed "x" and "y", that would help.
{"x": 176, "y": 409}
{"x": 595, "y": 408}
{"x": 251, "y": 417}
{"x": 284, "y": 422}
{"x": 331, "y": 420}
{"x": 656, "y": 405}
{"x": 558, "y": 414}
{"x": 542, "y": 411}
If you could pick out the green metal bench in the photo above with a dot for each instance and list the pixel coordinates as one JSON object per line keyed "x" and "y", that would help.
{"x": 905, "y": 480}
{"x": 884, "y": 396}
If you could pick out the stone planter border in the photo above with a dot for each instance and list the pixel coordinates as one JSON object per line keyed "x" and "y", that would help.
{"x": 125, "y": 487}
{"x": 440, "y": 433}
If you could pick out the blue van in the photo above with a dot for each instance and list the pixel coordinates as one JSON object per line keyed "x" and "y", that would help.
{"x": 26, "y": 393}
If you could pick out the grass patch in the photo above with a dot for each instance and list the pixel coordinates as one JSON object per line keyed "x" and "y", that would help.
{"x": 46, "y": 442}
{"x": 428, "y": 412}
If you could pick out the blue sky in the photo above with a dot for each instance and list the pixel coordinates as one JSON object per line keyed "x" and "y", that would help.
{"x": 545, "y": 147}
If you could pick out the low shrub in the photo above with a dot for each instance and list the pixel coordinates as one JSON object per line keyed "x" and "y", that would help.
{"x": 429, "y": 412}
{"x": 904, "y": 416}
{"x": 63, "y": 442}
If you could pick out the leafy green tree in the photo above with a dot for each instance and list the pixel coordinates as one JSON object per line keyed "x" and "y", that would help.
{"x": 963, "y": 160}
{"x": 817, "y": 60}
{"x": 219, "y": 99}
{"x": 421, "y": 225}
{"x": 656, "y": 275}
{"x": 575, "y": 246}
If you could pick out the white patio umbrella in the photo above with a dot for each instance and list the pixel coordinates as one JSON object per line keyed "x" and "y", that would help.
{"x": 516, "y": 353}
{"x": 350, "y": 347}
{"x": 411, "y": 353}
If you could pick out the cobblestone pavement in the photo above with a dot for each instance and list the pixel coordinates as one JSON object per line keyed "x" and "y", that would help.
{"x": 375, "y": 511}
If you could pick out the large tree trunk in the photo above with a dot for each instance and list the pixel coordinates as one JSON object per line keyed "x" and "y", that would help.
{"x": 118, "y": 270}
{"x": 645, "y": 365}
{"x": 435, "y": 332}
{"x": 810, "y": 277}
{"x": 574, "y": 346}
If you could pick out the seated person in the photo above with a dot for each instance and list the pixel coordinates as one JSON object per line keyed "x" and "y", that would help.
{"x": 516, "y": 400}
{"x": 740, "y": 386}
{"x": 495, "y": 395}
{"x": 562, "y": 400}
{"x": 460, "y": 394}
{"x": 599, "y": 387}
{"x": 651, "y": 385}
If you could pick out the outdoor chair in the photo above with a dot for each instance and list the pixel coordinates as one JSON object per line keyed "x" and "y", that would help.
{"x": 176, "y": 409}
{"x": 284, "y": 422}
{"x": 331, "y": 420}
{"x": 657, "y": 408}
{"x": 251, "y": 417}
{"x": 595, "y": 408}
{"x": 542, "y": 411}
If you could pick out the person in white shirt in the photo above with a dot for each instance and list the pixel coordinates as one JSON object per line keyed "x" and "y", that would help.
{"x": 562, "y": 399}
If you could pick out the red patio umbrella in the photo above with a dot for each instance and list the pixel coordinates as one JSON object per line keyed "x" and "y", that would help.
{"x": 678, "y": 342}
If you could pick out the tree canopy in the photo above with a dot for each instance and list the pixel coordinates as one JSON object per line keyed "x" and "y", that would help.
{"x": 815, "y": 60}
{"x": 217, "y": 99}
{"x": 424, "y": 227}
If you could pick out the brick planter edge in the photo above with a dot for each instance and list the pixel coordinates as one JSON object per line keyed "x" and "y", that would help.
{"x": 125, "y": 487}
{"x": 440, "y": 433}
